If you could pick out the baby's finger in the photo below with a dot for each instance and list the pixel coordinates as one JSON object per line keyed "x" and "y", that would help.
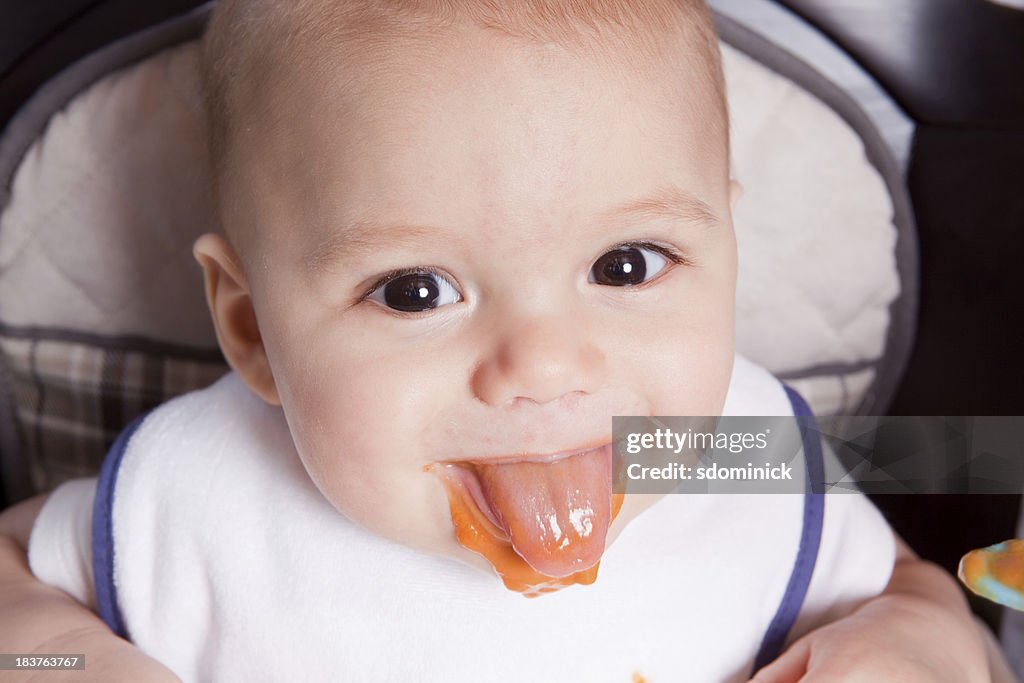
{"x": 789, "y": 667}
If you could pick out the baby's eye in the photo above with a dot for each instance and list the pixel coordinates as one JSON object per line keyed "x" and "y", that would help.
{"x": 415, "y": 291}
{"x": 628, "y": 265}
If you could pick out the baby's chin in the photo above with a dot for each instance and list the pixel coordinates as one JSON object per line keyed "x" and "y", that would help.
{"x": 633, "y": 505}
{"x": 454, "y": 527}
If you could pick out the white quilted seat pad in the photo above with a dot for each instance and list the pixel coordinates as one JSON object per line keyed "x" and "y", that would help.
{"x": 106, "y": 204}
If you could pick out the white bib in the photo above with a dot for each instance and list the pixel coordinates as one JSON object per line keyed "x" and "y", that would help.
{"x": 216, "y": 554}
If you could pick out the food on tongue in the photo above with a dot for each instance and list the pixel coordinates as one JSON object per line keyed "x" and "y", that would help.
{"x": 996, "y": 573}
{"x": 542, "y": 525}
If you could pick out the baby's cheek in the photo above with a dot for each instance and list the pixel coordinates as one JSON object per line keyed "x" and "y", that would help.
{"x": 679, "y": 360}
{"x": 366, "y": 464}
{"x": 689, "y": 382}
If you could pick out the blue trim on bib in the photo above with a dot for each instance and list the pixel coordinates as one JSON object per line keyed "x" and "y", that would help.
{"x": 103, "y": 532}
{"x": 810, "y": 536}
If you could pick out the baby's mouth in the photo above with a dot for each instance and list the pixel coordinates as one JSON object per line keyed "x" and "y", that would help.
{"x": 541, "y": 521}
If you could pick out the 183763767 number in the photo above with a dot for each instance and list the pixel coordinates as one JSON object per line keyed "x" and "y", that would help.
{"x": 41, "y": 662}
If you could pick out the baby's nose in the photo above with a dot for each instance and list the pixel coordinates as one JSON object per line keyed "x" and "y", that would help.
{"x": 539, "y": 359}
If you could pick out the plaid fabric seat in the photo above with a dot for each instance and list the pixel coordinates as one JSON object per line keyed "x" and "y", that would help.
{"x": 72, "y": 396}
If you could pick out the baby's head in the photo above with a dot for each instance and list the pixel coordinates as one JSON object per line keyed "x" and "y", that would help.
{"x": 459, "y": 237}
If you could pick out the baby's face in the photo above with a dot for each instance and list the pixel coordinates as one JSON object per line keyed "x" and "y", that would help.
{"x": 482, "y": 256}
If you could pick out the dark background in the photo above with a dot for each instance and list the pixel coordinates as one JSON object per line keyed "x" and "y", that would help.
{"x": 957, "y": 68}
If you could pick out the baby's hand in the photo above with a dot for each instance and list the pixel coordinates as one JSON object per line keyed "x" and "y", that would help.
{"x": 892, "y": 638}
{"x": 36, "y": 618}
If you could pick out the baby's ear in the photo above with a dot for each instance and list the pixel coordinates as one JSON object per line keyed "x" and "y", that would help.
{"x": 735, "y": 192}
{"x": 230, "y": 301}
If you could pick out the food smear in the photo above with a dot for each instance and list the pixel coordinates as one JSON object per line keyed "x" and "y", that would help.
{"x": 542, "y": 525}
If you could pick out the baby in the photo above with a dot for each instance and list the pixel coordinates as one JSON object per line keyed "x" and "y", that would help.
{"x": 458, "y": 238}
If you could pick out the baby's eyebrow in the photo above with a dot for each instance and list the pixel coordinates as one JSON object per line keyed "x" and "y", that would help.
{"x": 366, "y": 237}
{"x": 667, "y": 202}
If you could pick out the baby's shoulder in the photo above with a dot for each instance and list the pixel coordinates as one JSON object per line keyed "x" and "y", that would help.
{"x": 221, "y": 430}
{"x": 226, "y": 398}
{"x": 225, "y": 410}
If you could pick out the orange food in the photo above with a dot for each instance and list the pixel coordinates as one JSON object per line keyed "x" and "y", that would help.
{"x": 476, "y": 532}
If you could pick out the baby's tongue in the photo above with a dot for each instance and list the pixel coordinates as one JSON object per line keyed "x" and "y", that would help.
{"x": 557, "y": 513}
